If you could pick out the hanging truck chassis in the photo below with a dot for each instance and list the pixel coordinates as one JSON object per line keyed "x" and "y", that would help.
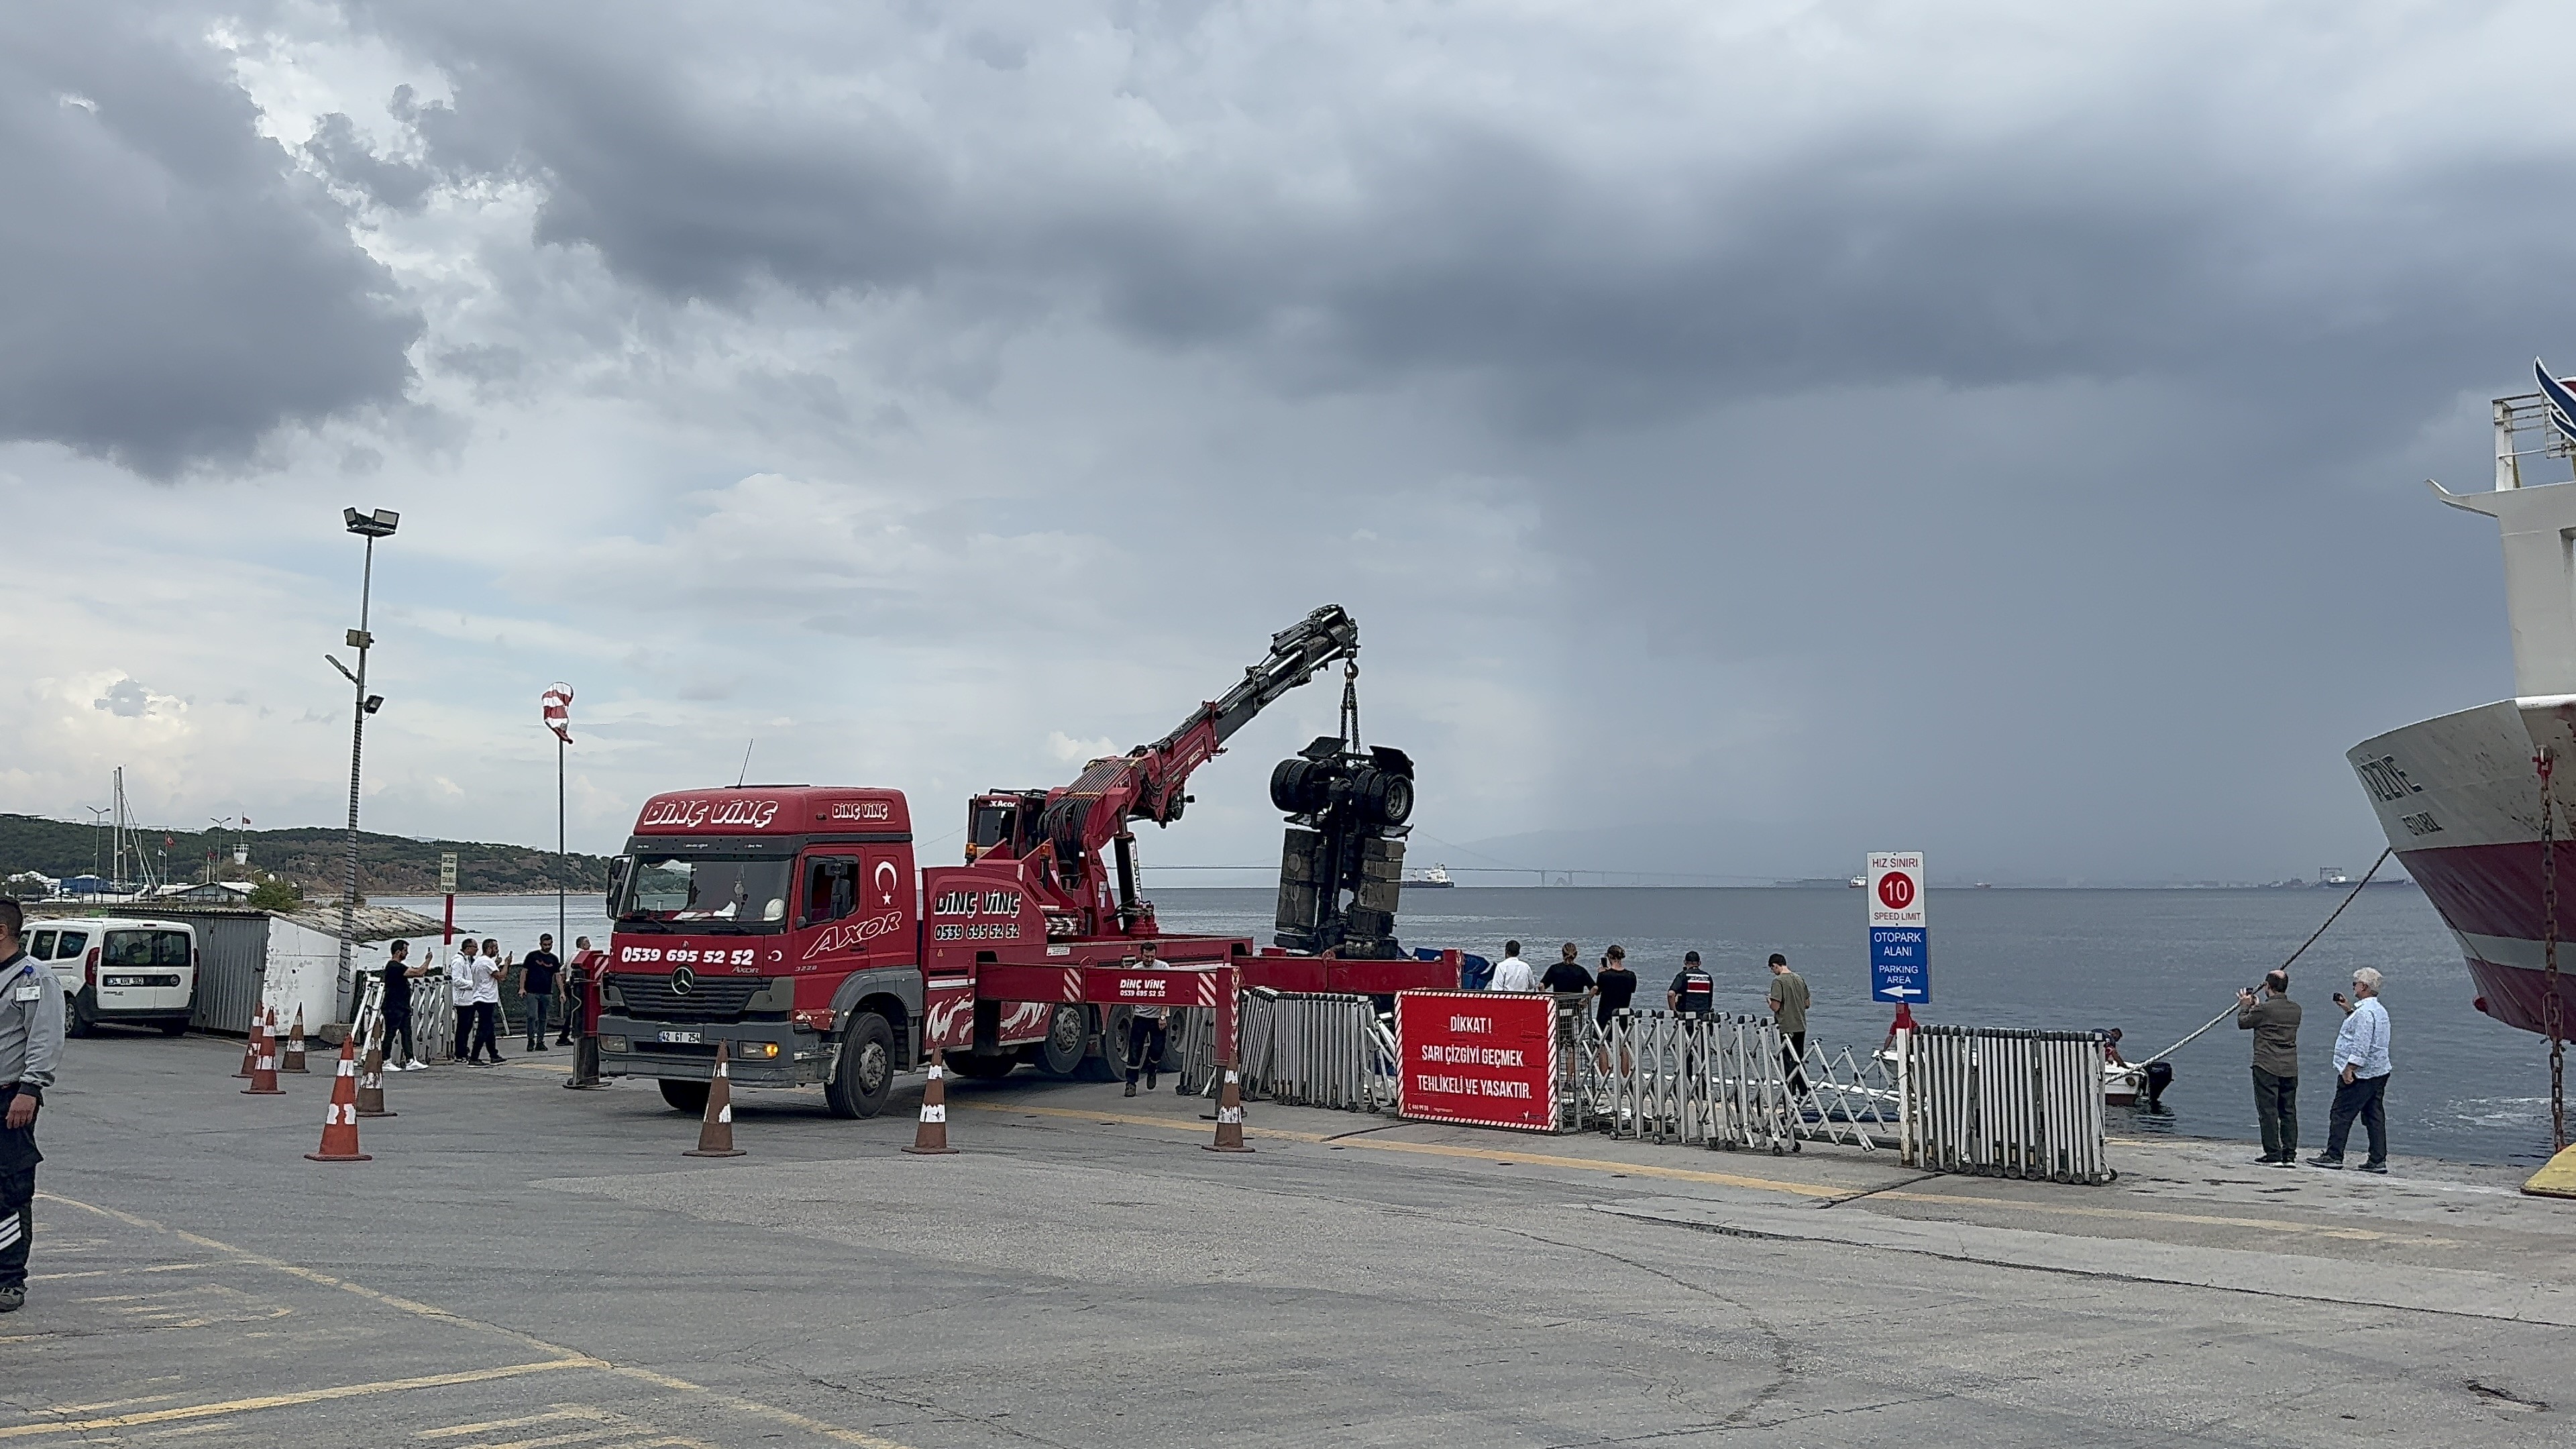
{"x": 792, "y": 924}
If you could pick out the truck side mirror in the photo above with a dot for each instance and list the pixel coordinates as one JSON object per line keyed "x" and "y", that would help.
{"x": 617, "y": 867}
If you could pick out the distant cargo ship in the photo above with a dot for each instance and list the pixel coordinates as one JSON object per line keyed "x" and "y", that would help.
{"x": 2460, "y": 796}
{"x": 1434, "y": 879}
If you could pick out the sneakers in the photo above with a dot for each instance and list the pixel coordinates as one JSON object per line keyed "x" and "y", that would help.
{"x": 415, "y": 1065}
{"x": 2332, "y": 1163}
{"x": 391, "y": 1067}
{"x": 1149, "y": 1081}
{"x": 1131, "y": 1089}
{"x": 2378, "y": 1167}
{"x": 12, "y": 1299}
{"x": 2267, "y": 1160}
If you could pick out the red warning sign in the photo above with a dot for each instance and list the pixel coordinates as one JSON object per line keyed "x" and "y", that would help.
{"x": 1484, "y": 1058}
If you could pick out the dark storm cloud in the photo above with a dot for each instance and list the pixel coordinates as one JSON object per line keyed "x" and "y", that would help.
{"x": 2166, "y": 225}
{"x": 174, "y": 290}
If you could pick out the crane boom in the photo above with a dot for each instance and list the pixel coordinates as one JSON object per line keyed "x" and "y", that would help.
{"x": 1083, "y": 818}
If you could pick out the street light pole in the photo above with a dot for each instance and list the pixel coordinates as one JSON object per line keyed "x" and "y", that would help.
{"x": 369, "y": 526}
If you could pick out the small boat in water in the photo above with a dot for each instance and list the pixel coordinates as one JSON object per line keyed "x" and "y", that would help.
{"x": 1434, "y": 879}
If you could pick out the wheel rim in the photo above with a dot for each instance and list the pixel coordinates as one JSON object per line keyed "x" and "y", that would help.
{"x": 872, "y": 1068}
{"x": 1064, "y": 1033}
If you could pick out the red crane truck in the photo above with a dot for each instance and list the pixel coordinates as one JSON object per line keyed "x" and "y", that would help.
{"x": 792, "y": 924}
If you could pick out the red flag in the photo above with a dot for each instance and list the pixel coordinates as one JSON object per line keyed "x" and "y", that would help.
{"x": 558, "y": 706}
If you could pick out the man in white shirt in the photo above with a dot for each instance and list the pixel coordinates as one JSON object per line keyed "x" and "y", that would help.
{"x": 2362, "y": 1069}
{"x": 487, "y": 1002}
{"x": 1512, "y": 973}
{"x": 462, "y": 972}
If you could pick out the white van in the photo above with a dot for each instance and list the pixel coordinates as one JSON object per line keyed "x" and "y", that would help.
{"x": 120, "y": 970}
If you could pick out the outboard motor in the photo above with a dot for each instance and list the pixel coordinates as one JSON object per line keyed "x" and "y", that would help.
{"x": 2159, "y": 1077}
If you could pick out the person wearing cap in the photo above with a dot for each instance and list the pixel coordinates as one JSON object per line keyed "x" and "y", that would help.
{"x": 2362, "y": 1070}
{"x": 2274, "y": 1020}
{"x": 31, "y": 1042}
{"x": 1146, "y": 1029}
{"x": 1693, "y": 990}
{"x": 1789, "y": 999}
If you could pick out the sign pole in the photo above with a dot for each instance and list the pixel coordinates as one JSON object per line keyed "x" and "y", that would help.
{"x": 447, "y": 883}
{"x": 562, "y": 941}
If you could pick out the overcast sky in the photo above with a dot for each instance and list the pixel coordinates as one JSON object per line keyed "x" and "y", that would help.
{"x": 1748, "y": 434}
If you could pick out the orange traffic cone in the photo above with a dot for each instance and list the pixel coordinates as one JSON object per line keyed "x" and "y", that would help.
{"x": 930, "y": 1139}
{"x": 263, "y": 1065}
{"x": 371, "y": 1079}
{"x": 715, "y": 1131}
{"x": 1229, "y": 1115}
{"x": 250, "y": 1045}
{"x": 340, "y": 1119}
{"x": 295, "y": 1046}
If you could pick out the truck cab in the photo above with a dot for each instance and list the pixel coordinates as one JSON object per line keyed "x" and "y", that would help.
{"x": 779, "y": 921}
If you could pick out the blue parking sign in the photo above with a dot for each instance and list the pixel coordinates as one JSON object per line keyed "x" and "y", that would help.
{"x": 1900, "y": 964}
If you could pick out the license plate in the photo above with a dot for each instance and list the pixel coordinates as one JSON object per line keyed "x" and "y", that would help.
{"x": 679, "y": 1038}
{"x": 123, "y": 980}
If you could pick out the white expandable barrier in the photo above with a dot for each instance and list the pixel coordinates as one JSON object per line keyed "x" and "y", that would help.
{"x": 1995, "y": 1103}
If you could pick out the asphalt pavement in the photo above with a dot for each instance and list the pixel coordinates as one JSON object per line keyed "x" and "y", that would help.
{"x": 526, "y": 1266}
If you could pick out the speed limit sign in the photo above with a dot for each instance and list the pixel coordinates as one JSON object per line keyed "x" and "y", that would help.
{"x": 1900, "y": 945}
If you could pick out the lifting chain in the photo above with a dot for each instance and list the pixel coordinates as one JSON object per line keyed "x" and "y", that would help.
{"x": 2551, "y": 1008}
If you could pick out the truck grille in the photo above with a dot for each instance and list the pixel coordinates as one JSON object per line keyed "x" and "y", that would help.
{"x": 722, "y": 998}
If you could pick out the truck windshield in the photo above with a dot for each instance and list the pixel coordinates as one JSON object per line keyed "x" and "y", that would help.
{"x": 731, "y": 895}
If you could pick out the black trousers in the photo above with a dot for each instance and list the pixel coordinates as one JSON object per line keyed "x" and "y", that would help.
{"x": 1144, "y": 1047}
{"x": 1794, "y": 1056}
{"x": 2367, "y": 1099}
{"x": 2276, "y": 1107}
{"x": 18, "y": 1159}
{"x": 399, "y": 1026}
{"x": 487, "y": 1015}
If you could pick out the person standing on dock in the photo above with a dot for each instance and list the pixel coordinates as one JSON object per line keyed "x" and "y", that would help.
{"x": 1511, "y": 973}
{"x": 2362, "y": 1068}
{"x": 31, "y": 1042}
{"x": 488, "y": 970}
{"x": 2274, "y": 1020}
{"x": 1612, "y": 990}
{"x": 1693, "y": 990}
{"x": 460, "y": 994}
{"x": 1146, "y": 1028}
{"x": 1788, "y": 1000}
{"x": 397, "y": 1008}
{"x": 537, "y": 973}
{"x": 1567, "y": 977}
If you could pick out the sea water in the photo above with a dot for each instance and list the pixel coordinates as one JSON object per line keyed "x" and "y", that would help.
{"x": 2156, "y": 963}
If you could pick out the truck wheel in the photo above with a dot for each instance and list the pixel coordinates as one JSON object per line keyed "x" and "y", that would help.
{"x": 865, "y": 1077}
{"x": 685, "y": 1096}
{"x": 1067, "y": 1042}
{"x": 1110, "y": 1065}
{"x": 982, "y": 1068}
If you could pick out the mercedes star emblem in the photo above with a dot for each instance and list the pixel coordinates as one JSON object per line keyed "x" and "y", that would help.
{"x": 683, "y": 981}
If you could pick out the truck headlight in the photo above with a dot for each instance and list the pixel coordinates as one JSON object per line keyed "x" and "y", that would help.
{"x": 612, "y": 1043}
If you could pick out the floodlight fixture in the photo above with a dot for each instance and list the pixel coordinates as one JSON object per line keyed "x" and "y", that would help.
{"x": 379, "y": 524}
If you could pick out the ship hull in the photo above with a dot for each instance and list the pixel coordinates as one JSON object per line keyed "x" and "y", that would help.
{"x": 2459, "y": 798}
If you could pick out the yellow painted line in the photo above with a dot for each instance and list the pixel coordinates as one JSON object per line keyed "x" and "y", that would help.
{"x": 562, "y": 1411}
{"x": 110, "y": 1404}
{"x": 2326, "y": 1230}
{"x": 566, "y": 1357}
{"x": 1435, "y": 1149}
{"x": 307, "y": 1396}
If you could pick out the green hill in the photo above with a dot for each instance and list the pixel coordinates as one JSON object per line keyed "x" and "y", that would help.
{"x": 315, "y": 858}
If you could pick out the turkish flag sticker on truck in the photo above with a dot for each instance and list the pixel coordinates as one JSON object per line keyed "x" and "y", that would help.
{"x": 1483, "y": 1058}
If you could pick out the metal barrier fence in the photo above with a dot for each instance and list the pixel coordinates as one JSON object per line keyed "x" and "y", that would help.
{"x": 1948, "y": 1099}
{"x": 2004, "y": 1103}
{"x": 1298, "y": 1049}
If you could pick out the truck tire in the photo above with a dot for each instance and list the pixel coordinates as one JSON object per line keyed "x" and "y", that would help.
{"x": 864, "y": 1077}
{"x": 690, "y": 1097}
{"x": 982, "y": 1068}
{"x": 1060, "y": 1053}
{"x": 1110, "y": 1064}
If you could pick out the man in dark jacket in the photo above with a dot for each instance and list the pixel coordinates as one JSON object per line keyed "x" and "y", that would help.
{"x": 31, "y": 1043}
{"x": 2274, "y": 1020}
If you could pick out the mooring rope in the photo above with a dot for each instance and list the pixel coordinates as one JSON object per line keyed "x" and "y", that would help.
{"x": 2354, "y": 895}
